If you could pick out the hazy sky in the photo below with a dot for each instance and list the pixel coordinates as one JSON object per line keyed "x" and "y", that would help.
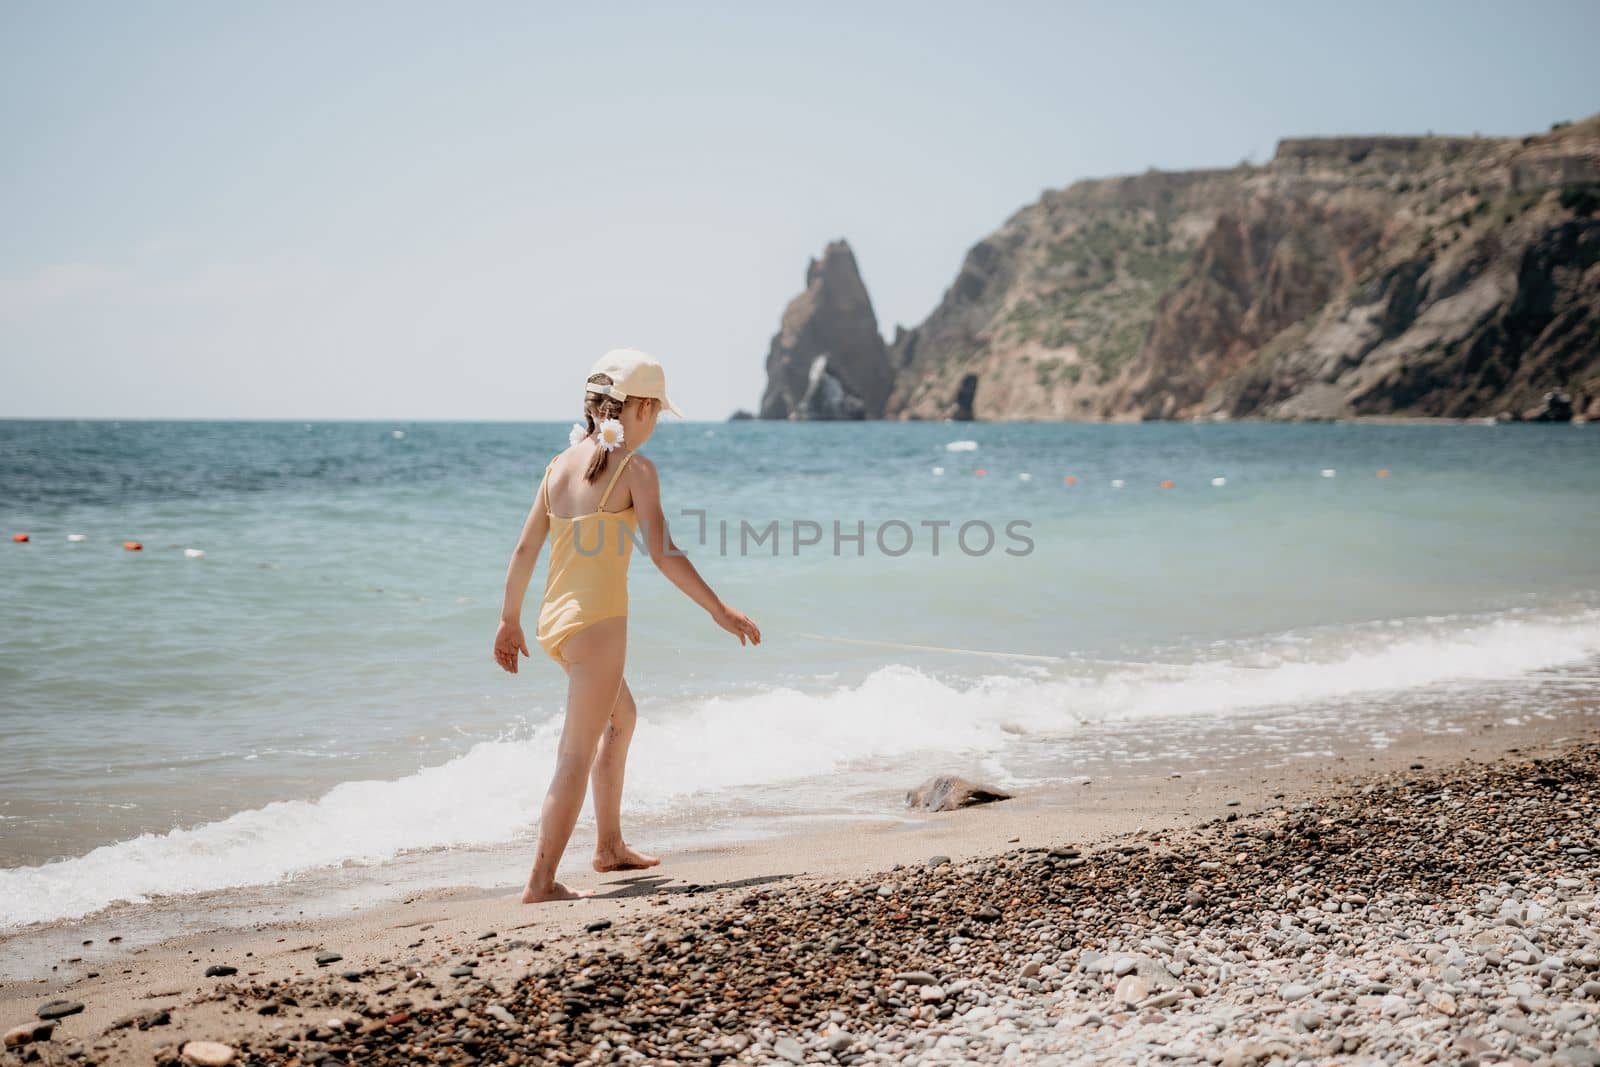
{"x": 449, "y": 210}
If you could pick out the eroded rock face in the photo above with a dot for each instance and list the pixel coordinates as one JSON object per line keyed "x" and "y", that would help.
{"x": 828, "y": 361}
{"x": 1491, "y": 323}
{"x": 1268, "y": 262}
{"x": 1452, "y": 276}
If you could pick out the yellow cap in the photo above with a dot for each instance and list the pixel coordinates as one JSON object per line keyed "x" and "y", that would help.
{"x": 632, "y": 373}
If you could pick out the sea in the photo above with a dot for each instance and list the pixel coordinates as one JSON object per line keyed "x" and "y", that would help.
{"x": 289, "y": 687}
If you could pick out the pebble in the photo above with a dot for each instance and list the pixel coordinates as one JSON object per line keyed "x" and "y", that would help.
{"x": 325, "y": 958}
{"x": 207, "y": 1054}
{"x": 58, "y": 1009}
{"x": 1132, "y": 989}
{"x": 221, "y": 970}
{"x": 916, "y": 977}
{"x": 789, "y": 1049}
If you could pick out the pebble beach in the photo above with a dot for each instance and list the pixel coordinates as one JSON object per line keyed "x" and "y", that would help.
{"x": 1442, "y": 912}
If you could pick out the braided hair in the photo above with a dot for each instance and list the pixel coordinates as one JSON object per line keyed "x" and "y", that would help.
{"x": 597, "y": 407}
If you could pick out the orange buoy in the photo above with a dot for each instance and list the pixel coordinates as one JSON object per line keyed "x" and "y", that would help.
{"x": 133, "y": 546}
{"x": 1071, "y": 479}
{"x": 980, "y": 472}
{"x": 1166, "y": 483}
{"x": 20, "y": 538}
{"x": 1383, "y": 472}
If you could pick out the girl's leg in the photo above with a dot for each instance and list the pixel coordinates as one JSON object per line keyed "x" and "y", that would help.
{"x": 594, "y": 658}
{"x": 610, "y": 852}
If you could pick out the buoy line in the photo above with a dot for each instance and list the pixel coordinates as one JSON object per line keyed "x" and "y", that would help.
{"x": 1165, "y": 483}
{"x": 934, "y": 648}
{"x": 1029, "y": 656}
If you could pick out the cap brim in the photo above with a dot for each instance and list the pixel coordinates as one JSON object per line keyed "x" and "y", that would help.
{"x": 670, "y": 406}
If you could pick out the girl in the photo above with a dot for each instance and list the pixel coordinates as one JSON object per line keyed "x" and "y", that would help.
{"x": 592, "y": 498}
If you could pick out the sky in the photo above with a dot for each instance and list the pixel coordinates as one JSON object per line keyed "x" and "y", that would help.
{"x": 449, "y": 211}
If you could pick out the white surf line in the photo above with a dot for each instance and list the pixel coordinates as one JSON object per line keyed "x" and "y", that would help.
{"x": 935, "y": 648}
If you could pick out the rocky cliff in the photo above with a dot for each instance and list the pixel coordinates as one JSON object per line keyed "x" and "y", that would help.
{"x": 1348, "y": 276}
{"x": 827, "y": 360}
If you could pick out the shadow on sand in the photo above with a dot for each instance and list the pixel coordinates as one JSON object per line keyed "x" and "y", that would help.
{"x": 647, "y": 885}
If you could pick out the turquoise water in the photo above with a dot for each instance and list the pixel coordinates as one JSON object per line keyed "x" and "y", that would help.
{"x": 317, "y": 690}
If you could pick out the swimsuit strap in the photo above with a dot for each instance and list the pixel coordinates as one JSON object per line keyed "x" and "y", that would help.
{"x": 544, "y": 487}
{"x": 612, "y": 483}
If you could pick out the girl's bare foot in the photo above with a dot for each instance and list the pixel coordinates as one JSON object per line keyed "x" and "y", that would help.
{"x": 554, "y": 891}
{"x": 622, "y": 858}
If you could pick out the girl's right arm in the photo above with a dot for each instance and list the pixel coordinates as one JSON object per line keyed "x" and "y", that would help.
{"x": 671, "y": 561}
{"x": 509, "y": 640}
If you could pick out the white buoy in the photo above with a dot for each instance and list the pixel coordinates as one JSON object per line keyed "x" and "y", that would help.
{"x": 1218, "y": 483}
{"x": 938, "y": 472}
{"x": 961, "y": 446}
{"x": 1328, "y": 472}
{"x": 194, "y": 553}
{"x": 399, "y": 434}
{"x": 1117, "y": 483}
{"x": 1024, "y": 476}
{"x": 77, "y": 537}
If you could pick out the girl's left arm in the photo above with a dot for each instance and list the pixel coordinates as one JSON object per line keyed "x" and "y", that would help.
{"x": 509, "y": 641}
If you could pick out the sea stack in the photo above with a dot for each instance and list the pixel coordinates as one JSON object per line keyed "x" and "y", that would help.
{"x": 827, "y": 360}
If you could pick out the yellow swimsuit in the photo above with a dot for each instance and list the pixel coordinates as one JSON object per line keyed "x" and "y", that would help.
{"x": 588, "y": 579}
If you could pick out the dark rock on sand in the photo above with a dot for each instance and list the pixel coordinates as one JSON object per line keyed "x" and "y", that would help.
{"x": 325, "y": 958}
{"x": 58, "y": 1009}
{"x": 947, "y": 792}
{"x": 221, "y": 970}
{"x": 28, "y": 1033}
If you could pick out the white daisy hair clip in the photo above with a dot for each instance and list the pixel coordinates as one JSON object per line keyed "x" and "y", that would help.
{"x": 609, "y": 434}
{"x": 578, "y": 432}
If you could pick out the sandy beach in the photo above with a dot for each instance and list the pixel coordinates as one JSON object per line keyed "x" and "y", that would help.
{"x": 871, "y": 941}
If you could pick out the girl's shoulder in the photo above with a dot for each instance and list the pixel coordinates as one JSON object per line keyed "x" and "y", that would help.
{"x": 638, "y": 461}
